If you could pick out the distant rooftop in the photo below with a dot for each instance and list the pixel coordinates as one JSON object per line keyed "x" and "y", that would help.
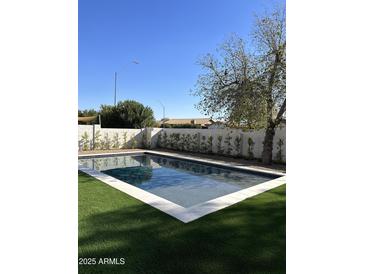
{"x": 87, "y": 119}
{"x": 185, "y": 121}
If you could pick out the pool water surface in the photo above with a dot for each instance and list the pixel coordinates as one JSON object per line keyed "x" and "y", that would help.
{"x": 182, "y": 182}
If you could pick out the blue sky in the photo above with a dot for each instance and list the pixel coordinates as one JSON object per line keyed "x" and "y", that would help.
{"x": 165, "y": 36}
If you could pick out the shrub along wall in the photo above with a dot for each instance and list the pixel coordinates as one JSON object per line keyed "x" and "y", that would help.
{"x": 229, "y": 142}
{"x": 93, "y": 137}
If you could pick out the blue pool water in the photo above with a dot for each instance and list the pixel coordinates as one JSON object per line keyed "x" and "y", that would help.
{"x": 182, "y": 182}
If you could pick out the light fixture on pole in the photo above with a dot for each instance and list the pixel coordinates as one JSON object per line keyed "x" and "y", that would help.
{"x": 163, "y": 109}
{"x": 115, "y": 83}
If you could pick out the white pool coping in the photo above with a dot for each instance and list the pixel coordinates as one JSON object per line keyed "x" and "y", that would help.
{"x": 183, "y": 214}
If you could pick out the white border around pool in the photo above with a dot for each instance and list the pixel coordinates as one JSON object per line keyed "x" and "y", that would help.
{"x": 181, "y": 213}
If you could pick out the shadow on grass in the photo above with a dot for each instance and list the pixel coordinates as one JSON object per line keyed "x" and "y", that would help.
{"x": 248, "y": 237}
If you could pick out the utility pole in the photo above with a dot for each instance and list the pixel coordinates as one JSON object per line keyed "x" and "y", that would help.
{"x": 115, "y": 88}
{"x": 163, "y": 109}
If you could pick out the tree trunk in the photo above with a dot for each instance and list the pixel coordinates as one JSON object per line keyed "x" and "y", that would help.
{"x": 268, "y": 143}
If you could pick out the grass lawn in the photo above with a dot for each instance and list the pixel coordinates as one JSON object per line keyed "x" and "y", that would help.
{"x": 248, "y": 237}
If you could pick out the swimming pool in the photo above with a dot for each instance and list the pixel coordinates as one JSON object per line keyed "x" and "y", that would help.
{"x": 173, "y": 182}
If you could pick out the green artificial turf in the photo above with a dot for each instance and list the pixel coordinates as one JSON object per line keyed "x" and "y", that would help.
{"x": 248, "y": 237}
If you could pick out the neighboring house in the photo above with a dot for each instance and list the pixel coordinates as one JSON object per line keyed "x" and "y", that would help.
{"x": 217, "y": 125}
{"x": 222, "y": 125}
{"x": 202, "y": 122}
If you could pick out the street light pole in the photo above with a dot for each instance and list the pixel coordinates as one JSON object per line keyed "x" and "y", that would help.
{"x": 163, "y": 109}
{"x": 115, "y": 88}
{"x": 115, "y": 83}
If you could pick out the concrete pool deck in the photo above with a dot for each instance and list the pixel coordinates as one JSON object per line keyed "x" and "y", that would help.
{"x": 181, "y": 213}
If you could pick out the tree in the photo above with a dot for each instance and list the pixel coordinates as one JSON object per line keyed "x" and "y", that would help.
{"x": 246, "y": 85}
{"x": 127, "y": 114}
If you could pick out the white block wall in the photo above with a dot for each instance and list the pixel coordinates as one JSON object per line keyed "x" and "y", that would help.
{"x": 256, "y": 136}
{"x": 110, "y": 133}
{"x": 139, "y": 134}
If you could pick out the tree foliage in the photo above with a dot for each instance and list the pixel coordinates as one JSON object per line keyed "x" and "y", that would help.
{"x": 246, "y": 85}
{"x": 126, "y": 114}
{"x": 87, "y": 112}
